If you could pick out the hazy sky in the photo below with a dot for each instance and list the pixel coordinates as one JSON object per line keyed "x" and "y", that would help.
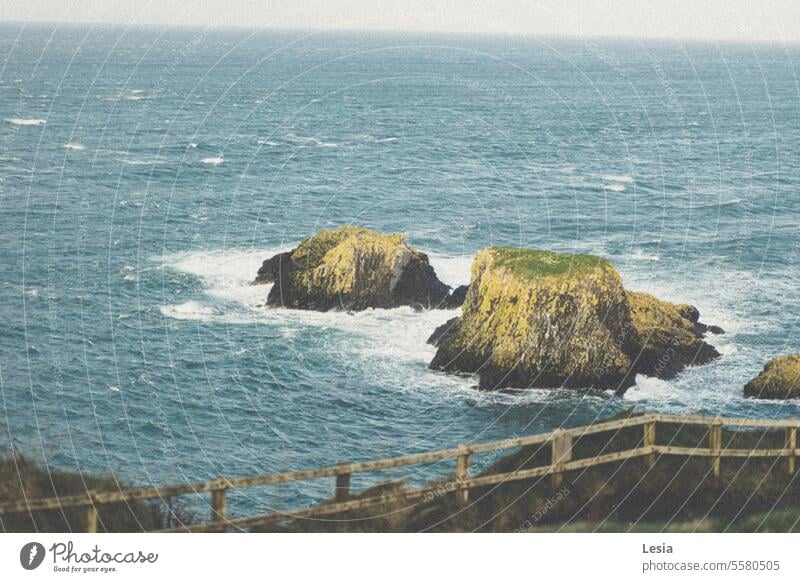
{"x": 747, "y": 20}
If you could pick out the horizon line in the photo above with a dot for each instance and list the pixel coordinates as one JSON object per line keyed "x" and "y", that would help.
{"x": 498, "y": 35}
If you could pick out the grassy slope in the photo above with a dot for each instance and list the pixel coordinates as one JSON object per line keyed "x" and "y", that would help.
{"x": 675, "y": 495}
{"x": 21, "y": 478}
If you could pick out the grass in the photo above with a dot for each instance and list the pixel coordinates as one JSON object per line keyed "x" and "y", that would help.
{"x": 675, "y": 494}
{"x": 532, "y": 263}
{"x": 22, "y": 478}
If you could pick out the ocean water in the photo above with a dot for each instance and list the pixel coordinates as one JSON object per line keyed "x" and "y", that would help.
{"x": 146, "y": 173}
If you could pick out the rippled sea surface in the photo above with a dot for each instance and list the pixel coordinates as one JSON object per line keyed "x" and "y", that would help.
{"x": 145, "y": 174}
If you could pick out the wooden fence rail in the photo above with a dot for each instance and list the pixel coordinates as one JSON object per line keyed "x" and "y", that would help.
{"x": 561, "y": 444}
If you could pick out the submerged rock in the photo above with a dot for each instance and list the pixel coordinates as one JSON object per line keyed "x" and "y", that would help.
{"x": 352, "y": 268}
{"x": 780, "y": 379}
{"x": 536, "y": 318}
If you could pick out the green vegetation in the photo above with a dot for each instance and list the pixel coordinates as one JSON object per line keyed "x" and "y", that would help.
{"x": 532, "y": 263}
{"x": 675, "y": 494}
{"x": 311, "y": 252}
{"x": 21, "y": 478}
{"x": 521, "y": 331}
{"x": 779, "y": 379}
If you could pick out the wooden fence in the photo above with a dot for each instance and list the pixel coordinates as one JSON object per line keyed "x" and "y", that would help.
{"x": 561, "y": 462}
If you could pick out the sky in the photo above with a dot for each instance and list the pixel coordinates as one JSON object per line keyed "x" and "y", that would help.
{"x": 716, "y": 20}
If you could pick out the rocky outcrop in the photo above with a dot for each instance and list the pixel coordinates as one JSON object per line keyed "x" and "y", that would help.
{"x": 537, "y": 318}
{"x": 670, "y": 336}
{"x": 534, "y": 318}
{"x": 780, "y": 379}
{"x": 353, "y": 268}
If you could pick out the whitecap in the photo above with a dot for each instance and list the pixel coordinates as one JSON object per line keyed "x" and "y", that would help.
{"x": 74, "y": 146}
{"x": 453, "y": 270}
{"x": 717, "y": 203}
{"x": 650, "y": 388}
{"x": 614, "y": 187}
{"x": 640, "y": 255}
{"x": 389, "y": 334}
{"x": 213, "y": 161}
{"x": 193, "y": 310}
{"x": 618, "y": 178}
{"x": 192, "y": 145}
{"x": 141, "y": 162}
{"x": 20, "y": 121}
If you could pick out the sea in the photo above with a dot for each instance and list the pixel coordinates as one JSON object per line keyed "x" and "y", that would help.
{"x": 145, "y": 174}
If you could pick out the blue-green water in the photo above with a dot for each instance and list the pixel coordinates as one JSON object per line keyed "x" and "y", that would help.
{"x": 145, "y": 174}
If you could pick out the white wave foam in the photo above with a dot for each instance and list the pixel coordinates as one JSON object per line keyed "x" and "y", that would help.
{"x": 298, "y": 139}
{"x": 717, "y": 203}
{"x": 190, "y": 310}
{"x": 391, "y": 334}
{"x": 74, "y": 146}
{"x": 640, "y": 255}
{"x": 213, "y": 161}
{"x": 20, "y": 121}
{"x": 649, "y": 388}
{"x": 617, "y": 178}
{"x": 454, "y": 271}
{"x": 614, "y": 187}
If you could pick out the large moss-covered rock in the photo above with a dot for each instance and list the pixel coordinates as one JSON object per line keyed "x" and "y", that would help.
{"x": 535, "y": 318}
{"x": 670, "y": 336}
{"x": 352, "y": 268}
{"x": 538, "y": 318}
{"x": 779, "y": 379}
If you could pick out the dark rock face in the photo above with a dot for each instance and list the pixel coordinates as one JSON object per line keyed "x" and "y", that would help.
{"x": 352, "y": 269}
{"x": 539, "y": 319}
{"x": 441, "y": 333}
{"x": 779, "y": 380}
{"x": 457, "y": 297}
{"x": 271, "y": 269}
{"x": 670, "y": 336}
{"x": 418, "y": 285}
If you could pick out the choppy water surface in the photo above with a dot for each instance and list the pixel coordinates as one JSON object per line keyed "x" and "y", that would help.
{"x": 145, "y": 174}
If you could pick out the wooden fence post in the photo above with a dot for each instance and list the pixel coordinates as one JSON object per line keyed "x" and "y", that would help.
{"x": 342, "y": 484}
{"x": 650, "y": 441}
{"x": 219, "y": 502}
{"x": 715, "y": 444}
{"x": 791, "y": 443}
{"x": 561, "y": 453}
{"x": 462, "y": 474}
{"x": 91, "y": 515}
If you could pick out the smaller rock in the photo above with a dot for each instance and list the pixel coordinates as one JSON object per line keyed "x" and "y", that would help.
{"x": 442, "y": 332}
{"x": 689, "y": 312}
{"x": 457, "y": 297}
{"x": 779, "y": 380}
{"x": 270, "y": 270}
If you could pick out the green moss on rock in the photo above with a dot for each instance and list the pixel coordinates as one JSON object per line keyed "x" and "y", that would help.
{"x": 537, "y": 318}
{"x": 530, "y": 320}
{"x": 780, "y": 379}
{"x": 352, "y": 268}
{"x": 533, "y": 263}
{"x": 669, "y": 339}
